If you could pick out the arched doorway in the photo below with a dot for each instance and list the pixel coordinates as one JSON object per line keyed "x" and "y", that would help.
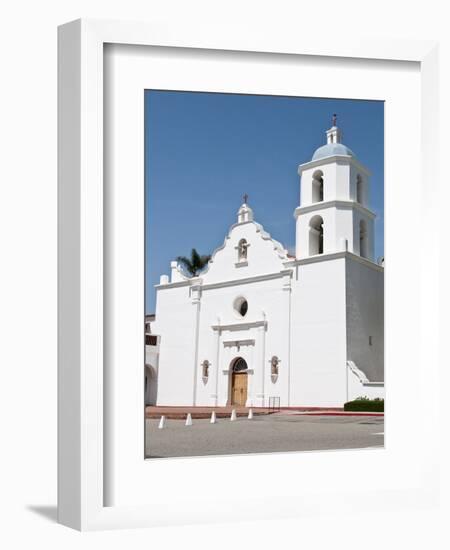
{"x": 239, "y": 379}
{"x": 150, "y": 385}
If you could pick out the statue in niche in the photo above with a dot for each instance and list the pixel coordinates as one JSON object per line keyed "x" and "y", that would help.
{"x": 274, "y": 363}
{"x": 242, "y": 250}
{"x": 205, "y": 368}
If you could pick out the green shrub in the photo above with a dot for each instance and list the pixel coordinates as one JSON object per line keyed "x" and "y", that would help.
{"x": 364, "y": 404}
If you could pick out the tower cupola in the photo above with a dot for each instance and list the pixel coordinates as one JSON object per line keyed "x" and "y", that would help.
{"x": 334, "y": 213}
{"x": 334, "y": 145}
{"x": 245, "y": 213}
{"x": 334, "y": 134}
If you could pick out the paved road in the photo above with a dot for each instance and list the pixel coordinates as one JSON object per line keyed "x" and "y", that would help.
{"x": 278, "y": 432}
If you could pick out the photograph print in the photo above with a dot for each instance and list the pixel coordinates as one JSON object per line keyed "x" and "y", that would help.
{"x": 264, "y": 274}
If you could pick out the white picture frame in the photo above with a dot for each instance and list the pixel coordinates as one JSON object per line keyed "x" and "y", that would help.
{"x": 86, "y": 499}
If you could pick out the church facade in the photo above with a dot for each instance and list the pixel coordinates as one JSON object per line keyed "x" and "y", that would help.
{"x": 258, "y": 325}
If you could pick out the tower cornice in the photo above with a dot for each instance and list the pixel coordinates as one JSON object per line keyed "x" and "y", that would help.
{"x": 333, "y": 204}
{"x": 338, "y": 159}
{"x": 334, "y": 256}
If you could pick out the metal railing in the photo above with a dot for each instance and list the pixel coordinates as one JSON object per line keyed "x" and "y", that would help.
{"x": 274, "y": 404}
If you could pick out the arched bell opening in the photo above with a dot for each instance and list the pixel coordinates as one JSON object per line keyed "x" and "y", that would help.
{"x": 359, "y": 189}
{"x": 317, "y": 186}
{"x": 316, "y": 236}
{"x": 363, "y": 240}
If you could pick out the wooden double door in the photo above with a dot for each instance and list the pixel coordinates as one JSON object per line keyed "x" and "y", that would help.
{"x": 239, "y": 388}
{"x": 239, "y": 383}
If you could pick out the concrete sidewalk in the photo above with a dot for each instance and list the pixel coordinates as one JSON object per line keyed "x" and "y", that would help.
{"x": 201, "y": 412}
{"x": 223, "y": 412}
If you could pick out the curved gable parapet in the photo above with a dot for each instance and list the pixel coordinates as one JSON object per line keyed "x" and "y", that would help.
{"x": 264, "y": 254}
{"x": 281, "y": 251}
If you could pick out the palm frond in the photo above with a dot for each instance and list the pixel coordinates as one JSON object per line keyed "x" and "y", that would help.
{"x": 195, "y": 263}
{"x": 187, "y": 264}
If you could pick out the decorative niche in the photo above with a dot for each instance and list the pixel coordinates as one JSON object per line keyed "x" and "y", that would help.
{"x": 274, "y": 368}
{"x": 205, "y": 371}
{"x": 242, "y": 253}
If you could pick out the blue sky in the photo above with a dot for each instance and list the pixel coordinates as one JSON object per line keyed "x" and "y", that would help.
{"x": 203, "y": 151}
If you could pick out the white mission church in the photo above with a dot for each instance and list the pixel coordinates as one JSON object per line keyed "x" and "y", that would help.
{"x": 257, "y": 323}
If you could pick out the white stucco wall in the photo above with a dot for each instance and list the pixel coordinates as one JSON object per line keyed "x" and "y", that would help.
{"x": 365, "y": 317}
{"x": 261, "y": 280}
{"x": 314, "y": 315}
{"x": 318, "y": 370}
{"x": 175, "y": 324}
{"x": 264, "y": 331}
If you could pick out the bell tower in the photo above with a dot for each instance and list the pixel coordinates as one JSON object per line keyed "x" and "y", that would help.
{"x": 334, "y": 213}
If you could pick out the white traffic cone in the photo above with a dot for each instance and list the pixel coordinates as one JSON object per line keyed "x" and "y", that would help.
{"x": 213, "y": 418}
{"x": 188, "y": 420}
{"x": 250, "y": 414}
{"x": 162, "y": 422}
{"x": 233, "y": 415}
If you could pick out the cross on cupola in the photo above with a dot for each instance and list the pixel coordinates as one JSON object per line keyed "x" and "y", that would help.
{"x": 245, "y": 213}
{"x": 334, "y": 135}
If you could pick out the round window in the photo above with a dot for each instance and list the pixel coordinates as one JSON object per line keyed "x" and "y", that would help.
{"x": 241, "y": 306}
